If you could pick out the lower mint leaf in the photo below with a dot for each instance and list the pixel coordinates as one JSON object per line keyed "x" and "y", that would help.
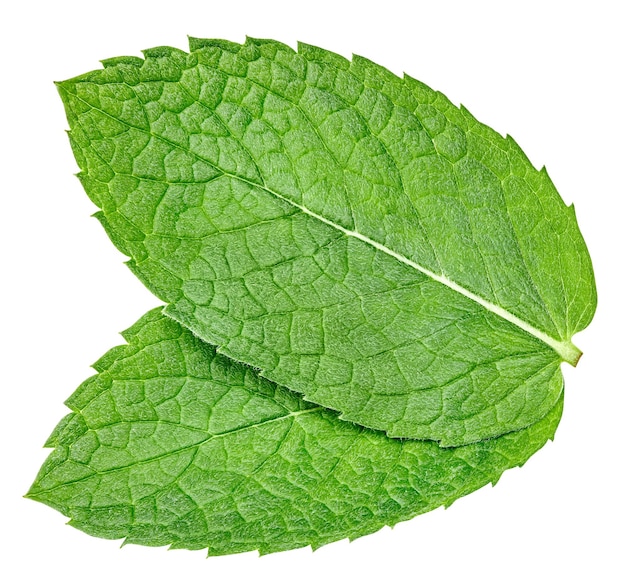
{"x": 173, "y": 444}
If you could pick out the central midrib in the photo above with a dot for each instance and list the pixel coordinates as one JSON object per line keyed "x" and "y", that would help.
{"x": 194, "y": 446}
{"x": 566, "y": 349}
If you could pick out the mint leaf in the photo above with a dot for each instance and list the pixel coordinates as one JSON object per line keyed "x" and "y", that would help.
{"x": 173, "y": 444}
{"x": 350, "y": 233}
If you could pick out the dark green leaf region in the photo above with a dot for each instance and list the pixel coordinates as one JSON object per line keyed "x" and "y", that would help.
{"x": 350, "y": 233}
{"x": 173, "y": 444}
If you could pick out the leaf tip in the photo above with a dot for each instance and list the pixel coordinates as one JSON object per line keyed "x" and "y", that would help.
{"x": 62, "y": 89}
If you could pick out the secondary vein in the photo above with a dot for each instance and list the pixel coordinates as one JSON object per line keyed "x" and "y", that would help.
{"x": 566, "y": 349}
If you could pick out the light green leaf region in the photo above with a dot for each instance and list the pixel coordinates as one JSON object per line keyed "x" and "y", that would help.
{"x": 173, "y": 444}
{"x": 350, "y": 233}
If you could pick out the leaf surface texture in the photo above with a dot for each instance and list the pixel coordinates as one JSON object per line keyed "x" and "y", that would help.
{"x": 350, "y": 233}
{"x": 173, "y": 444}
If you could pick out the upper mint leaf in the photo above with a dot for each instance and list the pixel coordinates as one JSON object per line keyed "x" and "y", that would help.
{"x": 352, "y": 234}
{"x": 172, "y": 444}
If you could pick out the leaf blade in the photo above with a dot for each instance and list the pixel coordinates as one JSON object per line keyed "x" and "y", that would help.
{"x": 273, "y": 473}
{"x": 231, "y": 221}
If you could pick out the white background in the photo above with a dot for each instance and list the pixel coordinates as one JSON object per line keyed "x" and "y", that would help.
{"x": 549, "y": 73}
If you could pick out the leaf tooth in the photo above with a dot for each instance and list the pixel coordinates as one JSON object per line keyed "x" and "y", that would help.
{"x": 316, "y": 53}
{"x": 357, "y": 59}
{"x": 467, "y": 113}
{"x": 261, "y": 41}
{"x": 108, "y": 359}
{"x": 192, "y": 42}
{"x": 496, "y": 479}
{"x": 423, "y": 85}
{"x": 517, "y": 149}
{"x": 264, "y": 550}
{"x": 53, "y": 439}
{"x": 152, "y": 316}
{"x": 122, "y": 60}
{"x": 163, "y": 51}
{"x": 200, "y": 43}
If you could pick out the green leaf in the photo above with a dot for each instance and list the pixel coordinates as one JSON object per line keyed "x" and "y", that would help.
{"x": 350, "y": 233}
{"x": 171, "y": 443}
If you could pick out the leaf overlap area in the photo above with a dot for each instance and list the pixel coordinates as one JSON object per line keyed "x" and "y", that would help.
{"x": 383, "y": 265}
{"x": 173, "y": 444}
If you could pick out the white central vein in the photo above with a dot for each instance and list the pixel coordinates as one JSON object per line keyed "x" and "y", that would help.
{"x": 566, "y": 349}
